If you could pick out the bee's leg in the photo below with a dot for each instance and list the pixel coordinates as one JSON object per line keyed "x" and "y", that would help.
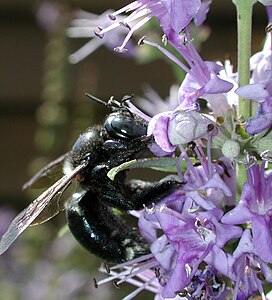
{"x": 144, "y": 193}
{"x": 101, "y": 232}
{"x": 133, "y": 194}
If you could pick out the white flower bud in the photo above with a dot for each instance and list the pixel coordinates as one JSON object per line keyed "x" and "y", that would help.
{"x": 231, "y": 149}
{"x": 188, "y": 126}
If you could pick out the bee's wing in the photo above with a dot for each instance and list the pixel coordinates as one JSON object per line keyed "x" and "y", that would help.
{"x": 50, "y": 172}
{"x": 32, "y": 211}
{"x": 59, "y": 202}
{"x": 50, "y": 210}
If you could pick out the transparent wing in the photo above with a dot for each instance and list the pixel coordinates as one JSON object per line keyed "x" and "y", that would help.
{"x": 59, "y": 201}
{"x": 47, "y": 175}
{"x": 32, "y": 211}
{"x": 50, "y": 210}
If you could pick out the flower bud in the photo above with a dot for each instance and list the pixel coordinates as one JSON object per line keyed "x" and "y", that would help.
{"x": 231, "y": 149}
{"x": 189, "y": 126}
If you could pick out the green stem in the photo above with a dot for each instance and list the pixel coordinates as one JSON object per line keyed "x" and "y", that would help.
{"x": 244, "y": 27}
{"x": 244, "y": 10}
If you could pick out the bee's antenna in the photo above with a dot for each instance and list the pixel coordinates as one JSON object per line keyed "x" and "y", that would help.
{"x": 98, "y": 100}
{"x": 126, "y": 98}
{"x": 114, "y": 104}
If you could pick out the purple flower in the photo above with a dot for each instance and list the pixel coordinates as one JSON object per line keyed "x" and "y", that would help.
{"x": 190, "y": 239}
{"x": 247, "y": 269}
{"x": 172, "y": 128}
{"x": 202, "y": 76}
{"x": 205, "y": 188}
{"x": 260, "y": 90}
{"x": 207, "y": 284}
{"x": 202, "y": 13}
{"x": 202, "y": 80}
{"x": 220, "y": 103}
{"x": 172, "y": 15}
{"x": 85, "y": 25}
{"x": 255, "y": 208}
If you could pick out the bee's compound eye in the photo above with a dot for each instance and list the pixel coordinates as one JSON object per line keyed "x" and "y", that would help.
{"x": 121, "y": 126}
{"x": 113, "y": 144}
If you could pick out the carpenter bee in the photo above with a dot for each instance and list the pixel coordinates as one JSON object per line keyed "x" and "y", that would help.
{"x": 87, "y": 194}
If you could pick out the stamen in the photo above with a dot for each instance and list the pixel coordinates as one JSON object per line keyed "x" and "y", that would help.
{"x": 132, "y": 6}
{"x": 261, "y": 276}
{"x": 132, "y": 262}
{"x": 266, "y": 155}
{"x": 188, "y": 269}
{"x": 132, "y": 281}
{"x": 138, "y": 270}
{"x": 157, "y": 272}
{"x": 133, "y": 29}
{"x": 202, "y": 158}
{"x": 182, "y": 293}
{"x": 111, "y": 17}
{"x": 138, "y": 290}
{"x": 150, "y": 211}
{"x": 124, "y": 24}
{"x": 189, "y": 164}
{"x": 113, "y": 276}
{"x": 168, "y": 54}
{"x": 115, "y": 284}
{"x": 80, "y": 32}
{"x": 98, "y": 34}
{"x": 165, "y": 40}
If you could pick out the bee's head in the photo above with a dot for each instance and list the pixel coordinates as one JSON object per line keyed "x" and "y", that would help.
{"x": 124, "y": 125}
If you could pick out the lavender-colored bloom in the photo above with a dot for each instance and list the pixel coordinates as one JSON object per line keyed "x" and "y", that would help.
{"x": 247, "y": 269}
{"x": 172, "y": 15}
{"x": 202, "y": 13}
{"x": 263, "y": 117}
{"x": 260, "y": 90}
{"x": 205, "y": 188}
{"x": 220, "y": 103}
{"x": 206, "y": 284}
{"x": 85, "y": 25}
{"x": 255, "y": 208}
{"x": 202, "y": 76}
{"x": 202, "y": 80}
{"x": 172, "y": 128}
{"x": 194, "y": 237}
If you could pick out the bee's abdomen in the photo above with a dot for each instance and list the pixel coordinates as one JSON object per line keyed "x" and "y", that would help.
{"x": 98, "y": 230}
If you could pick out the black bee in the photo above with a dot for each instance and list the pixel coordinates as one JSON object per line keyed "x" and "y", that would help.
{"x": 88, "y": 195}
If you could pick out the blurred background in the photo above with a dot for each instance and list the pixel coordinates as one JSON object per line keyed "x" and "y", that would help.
{"x": 43, "y": 109}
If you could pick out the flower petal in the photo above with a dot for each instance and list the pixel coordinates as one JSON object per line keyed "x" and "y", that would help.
{"x": 262, "y": 240}
{"x": 255, "y": 91}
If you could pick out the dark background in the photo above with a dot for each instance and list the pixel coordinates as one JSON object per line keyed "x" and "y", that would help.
{"x": 27, "y": 56}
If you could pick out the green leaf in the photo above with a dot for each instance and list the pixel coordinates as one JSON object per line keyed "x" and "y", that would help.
{"x": 164, "y": 164}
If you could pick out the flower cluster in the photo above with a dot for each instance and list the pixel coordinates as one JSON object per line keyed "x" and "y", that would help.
{"x": 211, "y": 238}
